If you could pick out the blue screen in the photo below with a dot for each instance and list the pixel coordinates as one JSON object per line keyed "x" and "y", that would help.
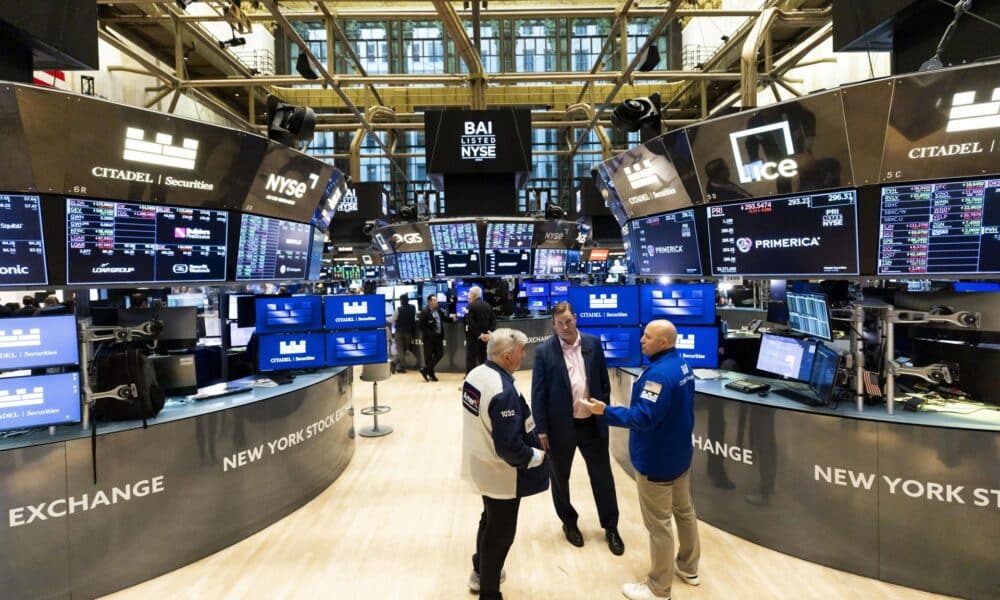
{"x": 977, "y": 286}
{"x": 559, "y": 288}
{"x": 316, "y": 254}
{"x": 461, "y": 308}
{"x": 620, "y": 344}
{"x": 786, "y": 357}
{"x": 39, "y": 400}
{"x": 553, "y": 300}
{"x": 809, "y": 314}
{"x": 38, "y": 342}
{"x": 351, "y": 312}
{"x": 605, "y": 305}
{"x": 291, "y": 351}
{"x": 698, "y": 346}
{"x": 285, "y": 314}
{"x": 356, "y": 347}
{"x": 680, "y": 303}
{"x": 538, "y": 303}
{"x": 537, "y": 290}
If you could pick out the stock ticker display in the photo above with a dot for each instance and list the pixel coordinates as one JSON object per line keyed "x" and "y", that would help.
{"x": 940, "y": 228}
{"x": 508, "y": 248}
{"x": 119, "y": 242}
{"x": 272, "y": 249}
{"x": 802, "y": 235}
{"x": 666, "y": 244}
{"x": 22, "y": 249}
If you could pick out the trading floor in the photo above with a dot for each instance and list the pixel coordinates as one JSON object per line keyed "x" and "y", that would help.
{"x": 400, "y": 523}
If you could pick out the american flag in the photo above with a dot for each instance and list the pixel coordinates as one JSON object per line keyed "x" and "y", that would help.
{"x": 872, "y": 387}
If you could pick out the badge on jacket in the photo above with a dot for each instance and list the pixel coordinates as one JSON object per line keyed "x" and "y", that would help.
{"x": 651, "y": 391}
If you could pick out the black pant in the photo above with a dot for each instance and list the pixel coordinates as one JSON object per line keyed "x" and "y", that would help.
{"x": 586, "y": 437}
{"x": 433, "y": 351}
{"x": 475, "y": 354}
{"x": 497, "y": 526}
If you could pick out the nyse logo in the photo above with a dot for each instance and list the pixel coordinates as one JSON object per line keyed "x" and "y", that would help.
{"x": 968, "y": 115}
{"x": 604, "y": 301}
{"x": 478, "y": 142}
{"x": 641, "y": 174}
{"x": 349, "y": 203}
{"x": 14, "y": 270}
{"x": 685, "y": 342}
{"x": 757, "y": 170}
{"x": 161, "y": 151}
{"x": 356, "y": 308}
{"x": 407, "y": 238}
{"x": 288, "y": 187}
{"x": 292, "y": 347}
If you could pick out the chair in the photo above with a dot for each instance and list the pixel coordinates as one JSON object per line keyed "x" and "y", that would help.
{"x": 375, "y": 373}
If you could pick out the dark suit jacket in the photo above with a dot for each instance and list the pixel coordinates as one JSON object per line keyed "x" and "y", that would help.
{"x": 425, "y": 322}
{"x": 479, "y": 320}
{"x": 552, "y": 393}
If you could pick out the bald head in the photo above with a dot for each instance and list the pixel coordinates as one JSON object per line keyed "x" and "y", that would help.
{"x": 659, "y": 335}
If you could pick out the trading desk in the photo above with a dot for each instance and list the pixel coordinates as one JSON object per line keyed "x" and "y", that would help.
{"x": 203, "y": 476}
{"x": 911, "y": 498}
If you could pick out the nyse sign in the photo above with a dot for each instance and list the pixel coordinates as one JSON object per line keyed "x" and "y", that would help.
{"x": 478, "y": 142}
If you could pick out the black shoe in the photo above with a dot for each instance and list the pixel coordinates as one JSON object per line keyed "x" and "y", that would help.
{"x": 425, "y": 375}
{"x": 573, "y": 536}
{"x": 433, "y": 376}
{"x": 615, "y": 542}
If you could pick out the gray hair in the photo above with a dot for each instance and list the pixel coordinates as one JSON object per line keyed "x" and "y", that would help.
{"x": 504, "y": 340}
{"x": 475, "y": 292}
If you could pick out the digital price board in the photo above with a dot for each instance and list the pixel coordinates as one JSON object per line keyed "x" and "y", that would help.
{"x": 272, "y": 249}
{"x": 22, "y": 248}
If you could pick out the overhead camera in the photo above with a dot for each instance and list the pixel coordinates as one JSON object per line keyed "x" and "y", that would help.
{"x": 232, "y": 42}
{"x": 554, "y": 211}
{"x": 408, "y": 212}
{"x": 368, "y": 229}
{"x": 636, "y": 113}
{"x": 288, "y": 124}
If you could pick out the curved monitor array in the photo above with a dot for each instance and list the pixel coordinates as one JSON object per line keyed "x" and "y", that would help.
{"x": 829, "y": 185}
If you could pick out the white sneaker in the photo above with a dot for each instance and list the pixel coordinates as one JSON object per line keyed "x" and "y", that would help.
{"x": 474, "y": 580}
{"x": 688, "y": 578}
{"x": 639, "y": 591}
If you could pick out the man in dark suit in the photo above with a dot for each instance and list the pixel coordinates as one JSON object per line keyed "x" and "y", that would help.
{"x": 431, "y": 322}
{"x": 405, "y": 319}
{"x": 479, "y": 322}
{"x": 569, "y": 369}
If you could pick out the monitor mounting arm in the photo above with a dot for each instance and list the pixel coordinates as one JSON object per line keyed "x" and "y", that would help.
{"x": 100, "y": 333}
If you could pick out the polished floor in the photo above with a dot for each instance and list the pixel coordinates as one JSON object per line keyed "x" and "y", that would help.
{"x": 400, "y": 523}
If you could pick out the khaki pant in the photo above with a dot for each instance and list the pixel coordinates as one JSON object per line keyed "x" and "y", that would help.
{"x": 660, "y": 502}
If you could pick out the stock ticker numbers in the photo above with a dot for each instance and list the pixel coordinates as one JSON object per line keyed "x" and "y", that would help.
{"x": 941, "y": 228}
{"x": 22, "y": 249}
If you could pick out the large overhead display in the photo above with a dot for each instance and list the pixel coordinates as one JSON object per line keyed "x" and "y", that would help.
{"x": 15, "y": 171}
{"x": 655, "y": 177}
{"x": 606, "y": 305}
{"x": 942, "y": 228}
{"x": 478, "y": 141}
{"x": 796, "y": 146}
{"x": 943, "y": 124}
{"x": 456, "y": 249}
{"x": 288, "y": 185}
{"x": 801, "y": 235}
{"x": 120, "y": 242}
{"x": 413, "y": 265}
{"x": 667, "y": 244}
{"x": 508, "y": 248}
{"x": 22, "y": 246}
{"x": 272, "y": 249}
{"x": 405, "y": 237}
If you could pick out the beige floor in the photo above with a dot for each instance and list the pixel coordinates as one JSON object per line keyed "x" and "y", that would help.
{"x": 400, "y": 523}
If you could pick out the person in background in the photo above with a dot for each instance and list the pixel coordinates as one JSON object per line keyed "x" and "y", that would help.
{"x": 660, "y": 419}
{"x": 405, "y": 318}
{"x": 431, "y": 323}
{"x": 500, "y": 455}
{"x": 138, "y": 300}
{"x": 570, "y": 367}
{"x": 479, "y": 322}
{"x": 28, "y": 308}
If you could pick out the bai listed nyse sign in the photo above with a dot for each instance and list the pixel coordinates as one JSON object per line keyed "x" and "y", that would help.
{"x": 478, "y": 142}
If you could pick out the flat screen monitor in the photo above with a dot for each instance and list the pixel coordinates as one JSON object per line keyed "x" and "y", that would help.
{"x": 540, "y": 303}
{"x": 457, "y": 263}
{"x": 786, "y": 357}
{"x": 940, "y": 228}
{"x": 777, "y": 302}
{"x": 354, "y": 312}
{"x": 411, "y": 291}
{"x": 195, "y": 300}
{"x": 316, "y": 254}
{"x": 509, "y": 236}
{"x": 239, "y": 336}
{"x": 824, "y": 372}
{"x": 556, "y": 262}
{"x": 976, "y": 286}
{"x": 559, "y": 288}
{"x": 282, "y": 314}
{"x": 285, "y": 351}
{"x": 461, "y": 308}
{"x": 31, "y": 342}
{"x": 809, "y": 314}
{"x": 123, "y": 242}
{"x": 666, "y": 244}
{"x": 356, "y": 347}
{"x": 507, "y": 262}
{"x": 802, "y": 235}
{"x": 391, "y": 266}
{"x": 414, "y": 265}
{"x": 39, "y": 401}
{"x": 536, "y": 289}
{"x": 22, "y": 245}
{"x": 698, "y": 346}
{"x": 463, "y": 292}
{"x": 179, "y": 323}
{"x": 272, "y": 249}
{"x": 679, "y": 303}
{"x": 605, "y": 305}
{"x": 233, "y": 305}
{"x": 454, "y": 236}
{"x": 620, "y": 344}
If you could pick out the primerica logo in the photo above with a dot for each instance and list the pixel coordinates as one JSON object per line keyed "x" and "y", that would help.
{"x": 758, "y": 170}
{"x": 654, "y": 250}
{"x": 161, "y": 151}
{"x": 605, "y": 301}
{"x": 106, "y": 268}
{"x": 478, "y": 142}
{"x": 356, "y": 308}
{"x": 745, "y": 244}
{"x": 291, "y": 347}
{"x": 15, "y": 270}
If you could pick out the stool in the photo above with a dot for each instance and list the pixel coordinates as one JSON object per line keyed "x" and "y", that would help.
{"x": 375, "y": 373}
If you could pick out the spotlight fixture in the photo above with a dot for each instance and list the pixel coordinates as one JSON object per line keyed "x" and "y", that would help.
{"x": 304, "y": 66}
{"x": 183, "y": 4}
{"x": 408, "y": 213}
{"x": 368, "y": 229}
{"x": 650, "y": 60}
{"x": 234, "y": 41}
{"x": 554, "y": 211}
{"x": 288, "y": 124}
{"x": 633, "y": 114}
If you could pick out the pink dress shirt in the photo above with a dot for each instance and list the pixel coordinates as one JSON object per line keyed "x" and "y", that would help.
{"x": 573, "y": 355}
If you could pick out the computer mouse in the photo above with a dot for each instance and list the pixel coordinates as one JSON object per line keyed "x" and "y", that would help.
{"x": 762, "y": 393}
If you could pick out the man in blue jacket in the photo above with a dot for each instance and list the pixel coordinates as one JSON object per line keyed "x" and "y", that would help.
{"x": 569, "y": 368}
{"x": 500, "y": 455}
{"x": 660, "y": 418}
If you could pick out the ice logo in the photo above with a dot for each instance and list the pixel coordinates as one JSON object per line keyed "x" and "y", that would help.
{"x": 744, "y": 244}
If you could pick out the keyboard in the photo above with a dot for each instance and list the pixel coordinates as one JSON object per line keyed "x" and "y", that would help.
{"x": 803, "y": 397}
{"x": 748, "y": 387}
{"x": 212, "y": 392}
